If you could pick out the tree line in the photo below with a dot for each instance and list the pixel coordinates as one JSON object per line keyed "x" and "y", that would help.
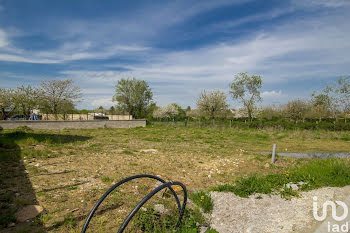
{"x": 333, "y": 102}
{"x": 135, "y": 97}
{"x": 51, "y": 96}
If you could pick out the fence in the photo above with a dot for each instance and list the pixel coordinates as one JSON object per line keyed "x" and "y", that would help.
{"x": 308, "y": 124}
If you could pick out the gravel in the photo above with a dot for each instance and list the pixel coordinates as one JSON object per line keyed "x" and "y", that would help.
{"x": 270, "y": 213}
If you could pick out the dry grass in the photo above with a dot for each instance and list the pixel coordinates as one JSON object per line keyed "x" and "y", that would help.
{"x": 67, "y": 176}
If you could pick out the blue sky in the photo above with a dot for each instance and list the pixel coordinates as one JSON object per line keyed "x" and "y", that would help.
{"x": 179, "y": 47}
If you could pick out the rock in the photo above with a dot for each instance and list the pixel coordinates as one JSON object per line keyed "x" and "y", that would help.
{"x": 161, "y": 209}
{"x": 37, "y": 165}
{"x": 267, "y": 165}
{"x": 293, "y": 186}
{"x": 149, "y": 150}
{"x": 203, "y": 229}
{"x": 158, "y": 183}
{"x": 28, "y": 212}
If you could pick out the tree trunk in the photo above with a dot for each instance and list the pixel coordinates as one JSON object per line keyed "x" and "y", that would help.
{"x": 249, "y": 115}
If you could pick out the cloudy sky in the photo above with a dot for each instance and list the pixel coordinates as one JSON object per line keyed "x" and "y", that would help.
{"x": 179, "y": 47}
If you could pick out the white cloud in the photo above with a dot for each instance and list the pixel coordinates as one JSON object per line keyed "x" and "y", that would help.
{"x": 68, "y": 52}
{"x": 312, "y": 47}
{"x": 105, "y": 102}
{"x": 108, "y": 37}
{"x": 321, "y": 3}
{"x": 272, "y": 94}
{"x": 3, "y": 38}
{"x": 287, "y": 53}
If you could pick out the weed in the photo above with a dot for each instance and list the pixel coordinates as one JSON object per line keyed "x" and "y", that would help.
{"x": 128, "y": 152}
{"x": 69, "y": 220}
{"x": 150, "y": 220}
{"x": 288, "y": 192}
{"x": 72, "y": 187}
{"x": 203, "y": 200}
{"x": 106, "y": 179}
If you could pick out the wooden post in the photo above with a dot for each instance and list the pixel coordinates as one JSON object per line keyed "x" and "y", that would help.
{"x": 273, "y": 153}
{"x": 87, "y": 116}
{"x": 230, "y": 123}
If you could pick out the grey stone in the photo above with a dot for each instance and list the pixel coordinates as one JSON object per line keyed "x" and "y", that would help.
{"x": 161, "y": 209}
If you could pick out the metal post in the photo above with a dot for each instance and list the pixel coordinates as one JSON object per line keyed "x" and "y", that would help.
{"x": 273, "y": 153}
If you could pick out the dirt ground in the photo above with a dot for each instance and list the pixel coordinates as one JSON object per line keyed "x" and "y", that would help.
{"x": 69, "y": 170}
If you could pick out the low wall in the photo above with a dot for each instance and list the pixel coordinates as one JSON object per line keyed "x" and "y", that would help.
{"x": 82, "y": 117}
{"x": 74, "y": 124}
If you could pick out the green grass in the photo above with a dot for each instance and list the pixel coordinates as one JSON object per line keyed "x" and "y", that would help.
{"x": 315, "y": 174}
{"x": 150, "y": 221}
{"x": 203, "y": 200}
{"x": 106, "y": 179}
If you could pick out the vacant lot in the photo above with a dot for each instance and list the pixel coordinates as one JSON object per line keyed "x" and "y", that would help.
{"x": 67, "y": 171}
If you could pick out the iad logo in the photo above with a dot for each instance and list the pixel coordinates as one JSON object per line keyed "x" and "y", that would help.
{"x": 332, "y": 227}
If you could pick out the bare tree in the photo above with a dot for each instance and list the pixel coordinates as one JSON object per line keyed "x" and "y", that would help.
{"x": 26, "y": 98}
{"x": 297, "y": 109}
{"x": 246, "y": 89}
{"x": 7, "y": 105}
{"x": 57, "y": 93}
{"x": 212, "y": 104}
{"x": 339, "y": 95}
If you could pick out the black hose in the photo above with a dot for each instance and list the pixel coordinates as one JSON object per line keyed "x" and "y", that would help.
{"x": 94, "y": 209}
{"x": 151, "y": 194}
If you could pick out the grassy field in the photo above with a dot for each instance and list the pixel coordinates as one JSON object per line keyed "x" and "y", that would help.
{"x": 67, "y": 171}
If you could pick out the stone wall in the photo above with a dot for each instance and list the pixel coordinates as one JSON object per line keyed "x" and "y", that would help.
{"x": 74, "y": 124}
